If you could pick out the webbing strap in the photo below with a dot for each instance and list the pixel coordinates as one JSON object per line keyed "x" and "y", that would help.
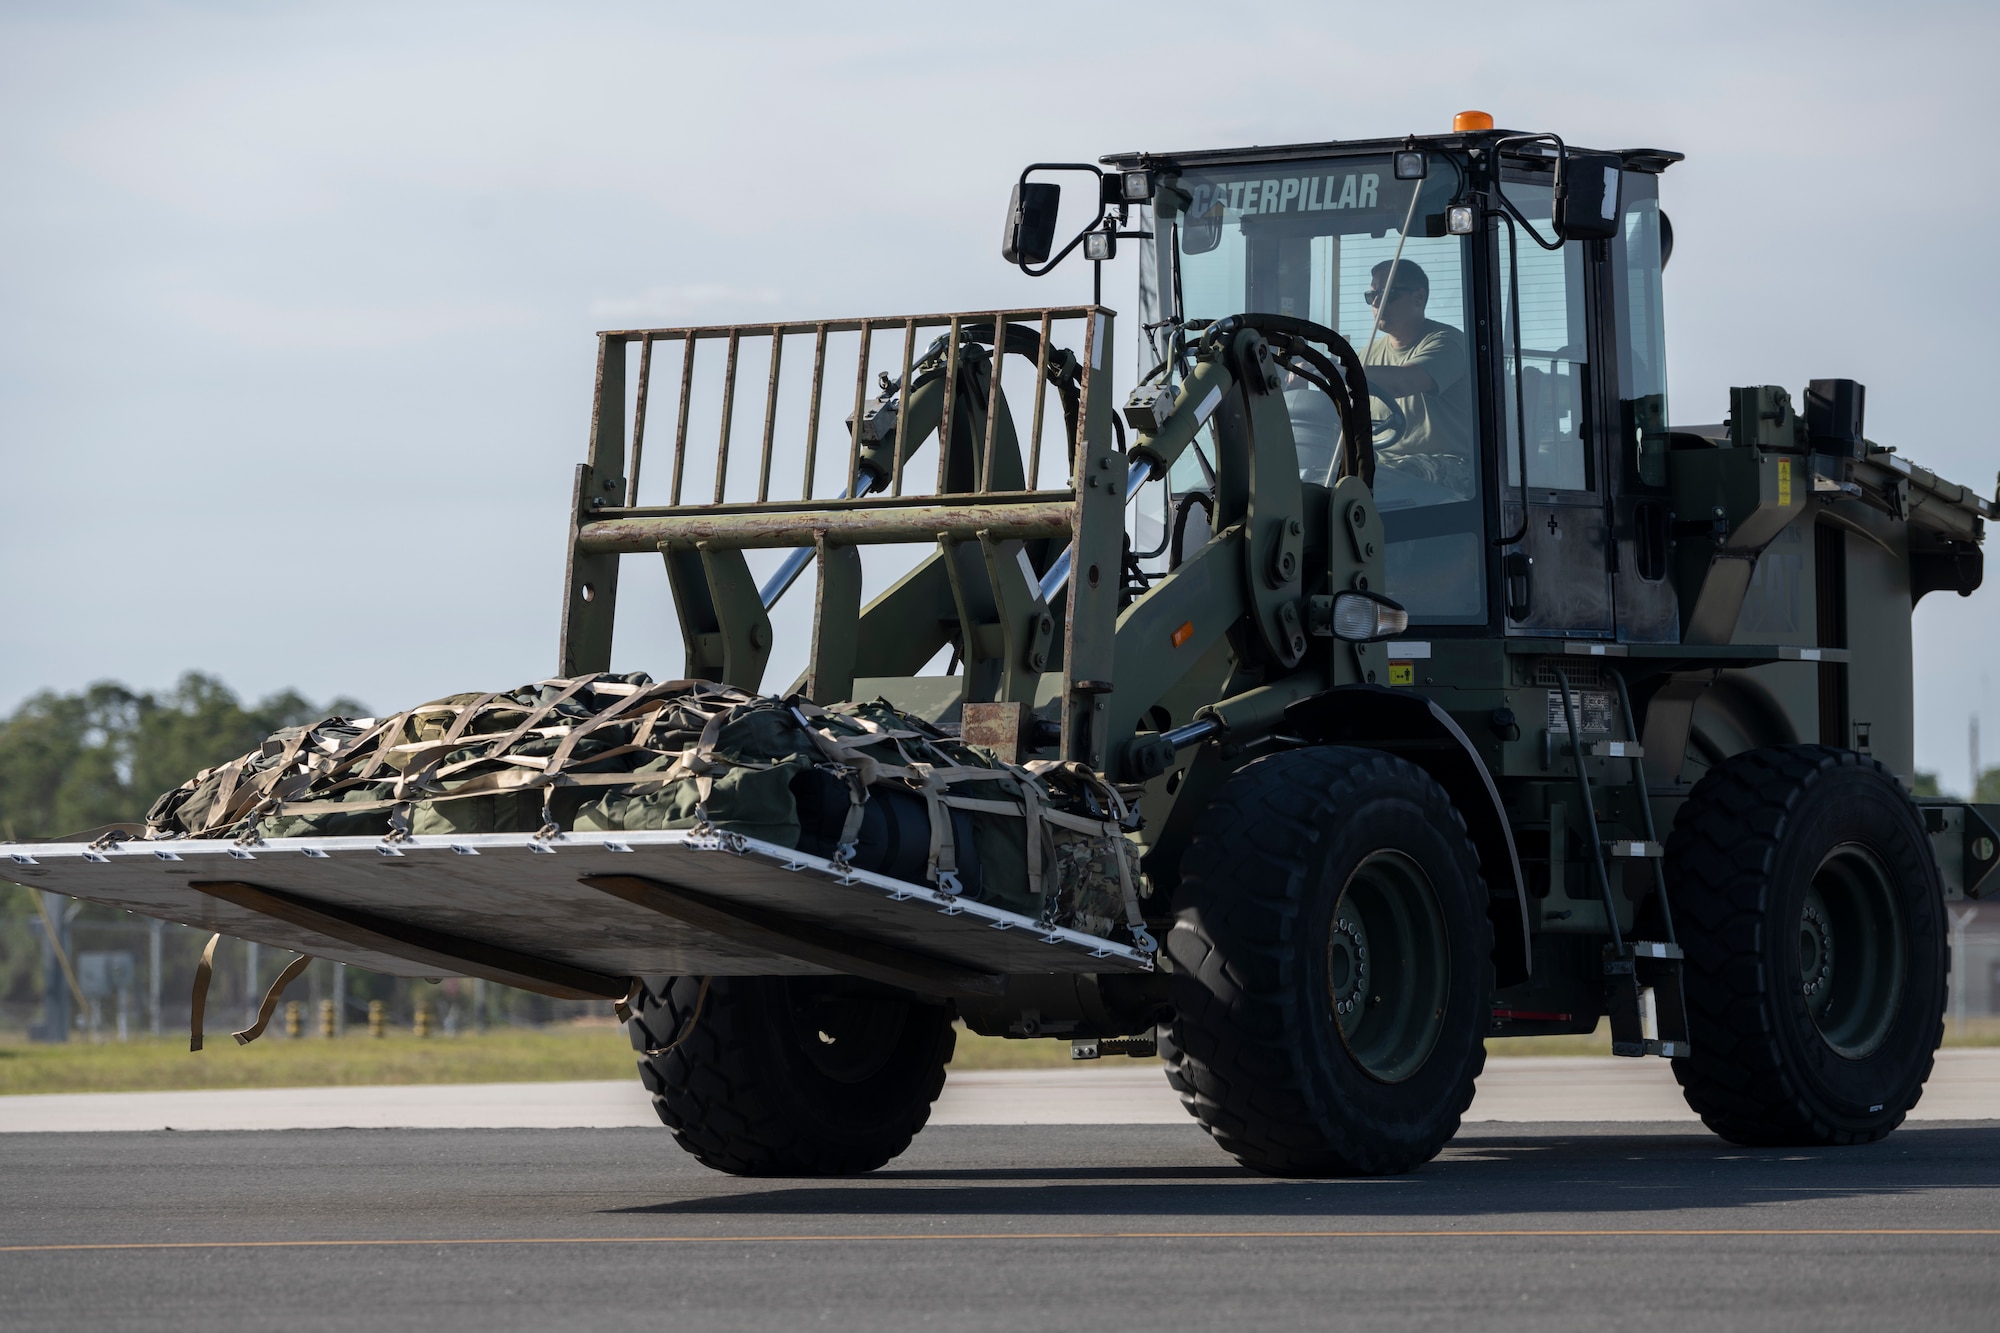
{"x": 687, "y": 1028}
{"x": 218, "y": 809}
{"x": 509, "y": 740}
{"x": 271, "y": 996}
{"x": 942, "y": 867}
{"x": 467, "y": 714}
{"x": 931, "y": 782}
{"x": 623, "y": 1008}
{"x": 198, "y": 1002}
{"x": 381, "y": 754}
{"x": 611, "y": 714}
{"x": 260, "y": 793}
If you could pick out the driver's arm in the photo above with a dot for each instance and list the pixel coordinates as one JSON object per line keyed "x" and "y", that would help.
{"x": 1400, "y": 381}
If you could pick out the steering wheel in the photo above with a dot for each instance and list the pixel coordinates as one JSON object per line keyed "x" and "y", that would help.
{"x": 1387, "y": 415}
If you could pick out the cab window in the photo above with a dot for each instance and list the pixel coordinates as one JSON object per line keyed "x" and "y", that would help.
{"x": 1326, "y": 241}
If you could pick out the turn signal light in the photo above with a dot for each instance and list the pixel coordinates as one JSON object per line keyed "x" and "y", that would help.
{"x": 1465, "y": 122}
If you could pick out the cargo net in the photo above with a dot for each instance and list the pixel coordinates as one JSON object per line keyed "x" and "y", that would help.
{"x": 862, "y": 784}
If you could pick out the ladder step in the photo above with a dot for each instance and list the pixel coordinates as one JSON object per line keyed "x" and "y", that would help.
{"x": 1672, "y": 1050}
{"x": 1144, "y": 1045}
{"x": 1636, "y": 849}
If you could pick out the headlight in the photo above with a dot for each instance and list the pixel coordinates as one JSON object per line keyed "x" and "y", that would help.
{"x": 1100, "y": 245}
{"x": 1361, "y": 617}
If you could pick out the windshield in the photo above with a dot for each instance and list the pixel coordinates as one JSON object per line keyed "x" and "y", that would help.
{"x": 1341, "y": 242}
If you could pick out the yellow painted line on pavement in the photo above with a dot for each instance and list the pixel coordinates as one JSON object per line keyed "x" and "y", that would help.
{"x": 1455, "y": 1234}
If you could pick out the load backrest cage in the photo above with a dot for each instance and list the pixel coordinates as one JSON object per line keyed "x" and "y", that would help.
{"x": 982, "y": 497}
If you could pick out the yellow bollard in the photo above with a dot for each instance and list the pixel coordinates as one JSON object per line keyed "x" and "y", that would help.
{"x": 423, "y": 1023}
{"x": 326, "y": 1018}
{"x": 375, "y": 1018}
{"x": 294, "y": 1025}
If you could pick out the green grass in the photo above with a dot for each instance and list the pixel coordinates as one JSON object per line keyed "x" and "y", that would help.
{"x": 1980, "y": 1031}
{"x": 501, "y": 1055}
{"x": 521, "y": 1055}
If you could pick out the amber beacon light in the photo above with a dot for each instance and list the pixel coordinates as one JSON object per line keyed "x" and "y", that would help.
{"x": 1467, "y": 121}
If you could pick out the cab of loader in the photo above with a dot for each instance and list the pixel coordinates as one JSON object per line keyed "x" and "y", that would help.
{"x": 1522, "y": 482}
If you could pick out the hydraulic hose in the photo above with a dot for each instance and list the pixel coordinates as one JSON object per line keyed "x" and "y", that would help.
{"x": 1177, "y": 541}
{"x": 1347, "y": 386}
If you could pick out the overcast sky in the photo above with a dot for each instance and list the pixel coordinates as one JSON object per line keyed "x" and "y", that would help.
{"x": 296, "y": 302}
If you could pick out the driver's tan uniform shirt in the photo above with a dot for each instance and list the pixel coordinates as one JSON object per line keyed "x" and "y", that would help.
{"x": 1438, "y": 427}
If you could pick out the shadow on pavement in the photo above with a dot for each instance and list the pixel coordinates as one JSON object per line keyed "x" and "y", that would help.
{"x": 1523, "y": 1177}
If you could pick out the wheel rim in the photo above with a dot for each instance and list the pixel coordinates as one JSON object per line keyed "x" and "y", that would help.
{"x": 848, "y": 1038}
{"x": 1388, "y": 966}
{"x": 1850, "y": 943}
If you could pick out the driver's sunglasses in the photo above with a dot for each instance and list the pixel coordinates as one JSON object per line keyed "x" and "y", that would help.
{"x": 1374, "y": 297}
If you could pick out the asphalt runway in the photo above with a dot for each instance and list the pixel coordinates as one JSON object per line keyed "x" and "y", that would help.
{"x": 1640, "y": 1226}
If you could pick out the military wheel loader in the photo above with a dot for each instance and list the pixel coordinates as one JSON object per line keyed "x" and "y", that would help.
{"x": 1445, "y": 690}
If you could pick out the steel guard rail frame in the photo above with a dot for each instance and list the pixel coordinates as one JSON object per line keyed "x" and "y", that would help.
{"x": 702, "y": 537}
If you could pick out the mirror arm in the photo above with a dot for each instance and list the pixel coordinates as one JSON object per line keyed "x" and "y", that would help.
{"x": 1500, "y": 190}
{"x": 1095, "y": 222}
{"x": 1514, "y": 214}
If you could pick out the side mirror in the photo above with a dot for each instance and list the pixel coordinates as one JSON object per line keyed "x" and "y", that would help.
{"x": 1201, "y": 222}
{"x": 1586, "y": 205}
{"x": 1031, "y": 223}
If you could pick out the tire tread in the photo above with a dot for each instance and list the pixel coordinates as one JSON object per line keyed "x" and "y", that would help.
{"x": 1233, "y": 1058}
{"x": 716, "y": 1091}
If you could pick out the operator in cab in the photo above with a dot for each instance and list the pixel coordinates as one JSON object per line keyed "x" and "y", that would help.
{"x": 1423, "y": 368}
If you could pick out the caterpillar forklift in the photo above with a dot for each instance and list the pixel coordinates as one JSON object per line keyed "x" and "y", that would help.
{"x": 1464, "y": 696}
{"x": 1452, "y": 690}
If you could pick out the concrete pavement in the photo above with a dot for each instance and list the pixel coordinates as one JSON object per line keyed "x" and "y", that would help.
{"x": 1538, "y": 1228}
{"x": 1541, "y": 1089}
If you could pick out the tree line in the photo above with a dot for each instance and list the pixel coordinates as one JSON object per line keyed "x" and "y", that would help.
{"x": 70, "y": 762}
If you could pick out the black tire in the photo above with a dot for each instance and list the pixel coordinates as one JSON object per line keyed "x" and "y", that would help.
{"x": 1807, "y": 899}
{"x": 790, "y": 1076}
{"x": 1294, "y": 874}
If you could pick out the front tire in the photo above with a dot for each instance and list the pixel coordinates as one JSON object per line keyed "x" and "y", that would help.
{"x": 1808, "y": 902}
{"x": 790, "y": 1076}
{"x": 1332, "y": 966}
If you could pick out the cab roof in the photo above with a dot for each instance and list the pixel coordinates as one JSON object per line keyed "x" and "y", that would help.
{"x": 1652, "y": 160}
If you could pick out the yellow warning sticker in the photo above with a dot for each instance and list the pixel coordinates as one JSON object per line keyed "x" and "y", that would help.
{"x": 1784, "y": 482}
{"x": 1402, "y": 673}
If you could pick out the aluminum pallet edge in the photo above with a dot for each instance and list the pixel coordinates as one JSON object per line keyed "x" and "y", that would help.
{"x": 576, "y": 915}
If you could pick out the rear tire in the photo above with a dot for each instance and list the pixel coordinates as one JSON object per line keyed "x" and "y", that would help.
{"x": 1807, "y": 899}
{"x": 790, "y": 1076}
{"x": 1331, "y": 966}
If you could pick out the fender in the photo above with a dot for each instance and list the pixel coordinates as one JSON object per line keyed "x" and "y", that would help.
{"x": 1412, "y": 727}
